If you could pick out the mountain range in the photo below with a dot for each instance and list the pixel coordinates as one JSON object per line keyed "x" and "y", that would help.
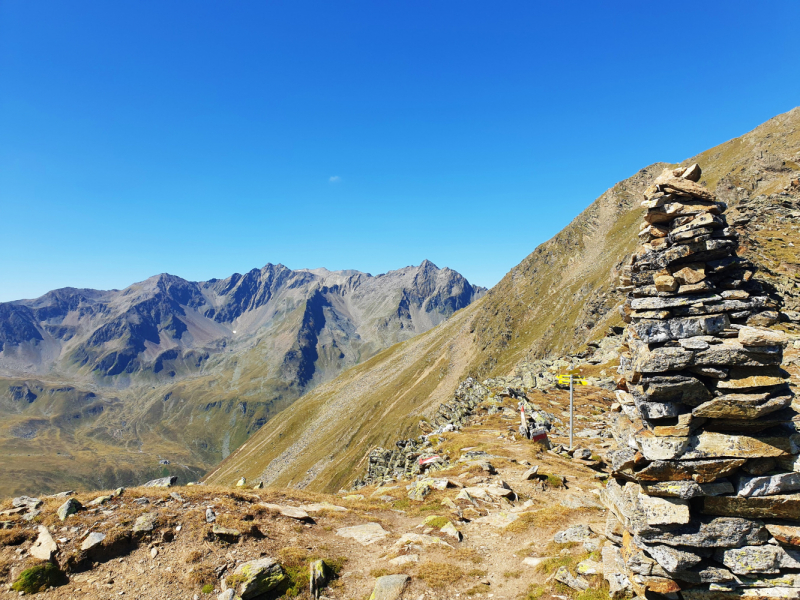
{"x": 102, "y": 376}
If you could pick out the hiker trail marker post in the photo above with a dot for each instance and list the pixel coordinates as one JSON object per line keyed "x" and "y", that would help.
{"x": 572, "y": 380}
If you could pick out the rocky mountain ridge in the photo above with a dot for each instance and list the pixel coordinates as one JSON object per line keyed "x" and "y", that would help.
{"x": 104, "y": 388}
{"x": 167, "y": 326}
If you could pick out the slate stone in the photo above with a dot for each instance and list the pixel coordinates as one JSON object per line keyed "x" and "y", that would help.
{"x": 702, "y": 471}
{"x": 664, "y": 511}
{"x": 93, "y": 539}
{"x": 705, "y": 532}
{"x": 762, "y": 507}
{"x": 658, "y": 331}
{"x": 673, "y": 559}
{"x": 756, "y": 559}
{"x": 576, "y": 583}
{"x": 743, "y": 378}
{"x": 658, "y": 410}
{"x": 741, "y": 406}
{"x": 687, "y": 489}
{"x": 785, "y": 534}
{"x": 712, "y": 444}
{"x": 685, "y": 389}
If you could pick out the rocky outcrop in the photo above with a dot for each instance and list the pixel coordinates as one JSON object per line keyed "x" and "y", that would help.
{"x": 707, "y": 442}
{"x": 413, "y": 457}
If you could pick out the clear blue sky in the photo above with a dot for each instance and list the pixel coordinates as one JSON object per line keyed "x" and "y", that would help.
{"x": 206, "y": 138}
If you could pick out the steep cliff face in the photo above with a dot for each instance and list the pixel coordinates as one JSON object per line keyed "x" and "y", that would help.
{"x": 186, "y": 371}
{"x": 559, "y": 298}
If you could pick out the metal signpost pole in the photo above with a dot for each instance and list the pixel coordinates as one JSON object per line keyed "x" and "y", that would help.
{"x": 571, "y": 414}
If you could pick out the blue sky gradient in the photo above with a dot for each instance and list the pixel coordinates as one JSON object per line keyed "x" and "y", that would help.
{"x": 205, "y": 138}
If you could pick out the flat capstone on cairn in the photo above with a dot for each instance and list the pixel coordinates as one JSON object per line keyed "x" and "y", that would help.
{"x": 703, "y": 502}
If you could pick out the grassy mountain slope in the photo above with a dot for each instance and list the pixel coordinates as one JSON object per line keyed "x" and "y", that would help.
{"x": 557, "y": 299}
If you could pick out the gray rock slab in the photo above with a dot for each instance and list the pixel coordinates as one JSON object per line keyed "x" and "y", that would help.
{"x": 45, "y": 547}
{"x": 92, "y": 540}
{"x": 752, "y": 487}
{"x": 719, "y": 532}
{"x": 257, "y": 577}
{"x": 145, "y": 523}
{"x": 366, "y": 534}
{"x": 756, "y": 559}
{"x": 687, "y": 489}
{"x": 162, "y": 482}
{"x": 389, "y": 587}
{"x": 70, "y": 507}
{"x": 576, "y": 583}
{"x": 576, "y": 533}
{"x": 673, "y": 559}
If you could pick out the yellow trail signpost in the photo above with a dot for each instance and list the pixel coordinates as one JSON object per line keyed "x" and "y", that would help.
{"x": 570, "y": 379}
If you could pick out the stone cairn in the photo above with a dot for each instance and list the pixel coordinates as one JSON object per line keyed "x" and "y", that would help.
{"x": 703, "y": 502}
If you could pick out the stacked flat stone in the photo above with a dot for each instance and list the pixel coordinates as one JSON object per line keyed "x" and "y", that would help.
{"x": 704, "y": 496}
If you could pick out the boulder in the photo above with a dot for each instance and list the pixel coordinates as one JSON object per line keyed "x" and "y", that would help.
{"x": 318, "y": 573}
{"x": 26, "y": 502}
{"x": 227, "y": 534}
{"x": 145, "y": 523}
{"x": 70, "y": 507}
{"x": 288, "y": 511}
{"x": 389, "y": 587}
{"x": 162, "y": 482}
{"x": 576, "y": 533}
{"x": 92, "y": 540}
{"x": 420, "y": 490}
{"x": 45, "y": 547}
{"x": 420, "y": 541}
{"x": 256, "y": 577}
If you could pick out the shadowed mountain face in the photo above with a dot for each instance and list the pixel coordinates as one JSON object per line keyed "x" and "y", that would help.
{"x": 188, "y": 370}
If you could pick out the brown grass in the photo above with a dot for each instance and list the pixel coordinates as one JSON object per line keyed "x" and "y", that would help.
{"x": 14, "y": 537}
{"x": 439, "y": 574}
